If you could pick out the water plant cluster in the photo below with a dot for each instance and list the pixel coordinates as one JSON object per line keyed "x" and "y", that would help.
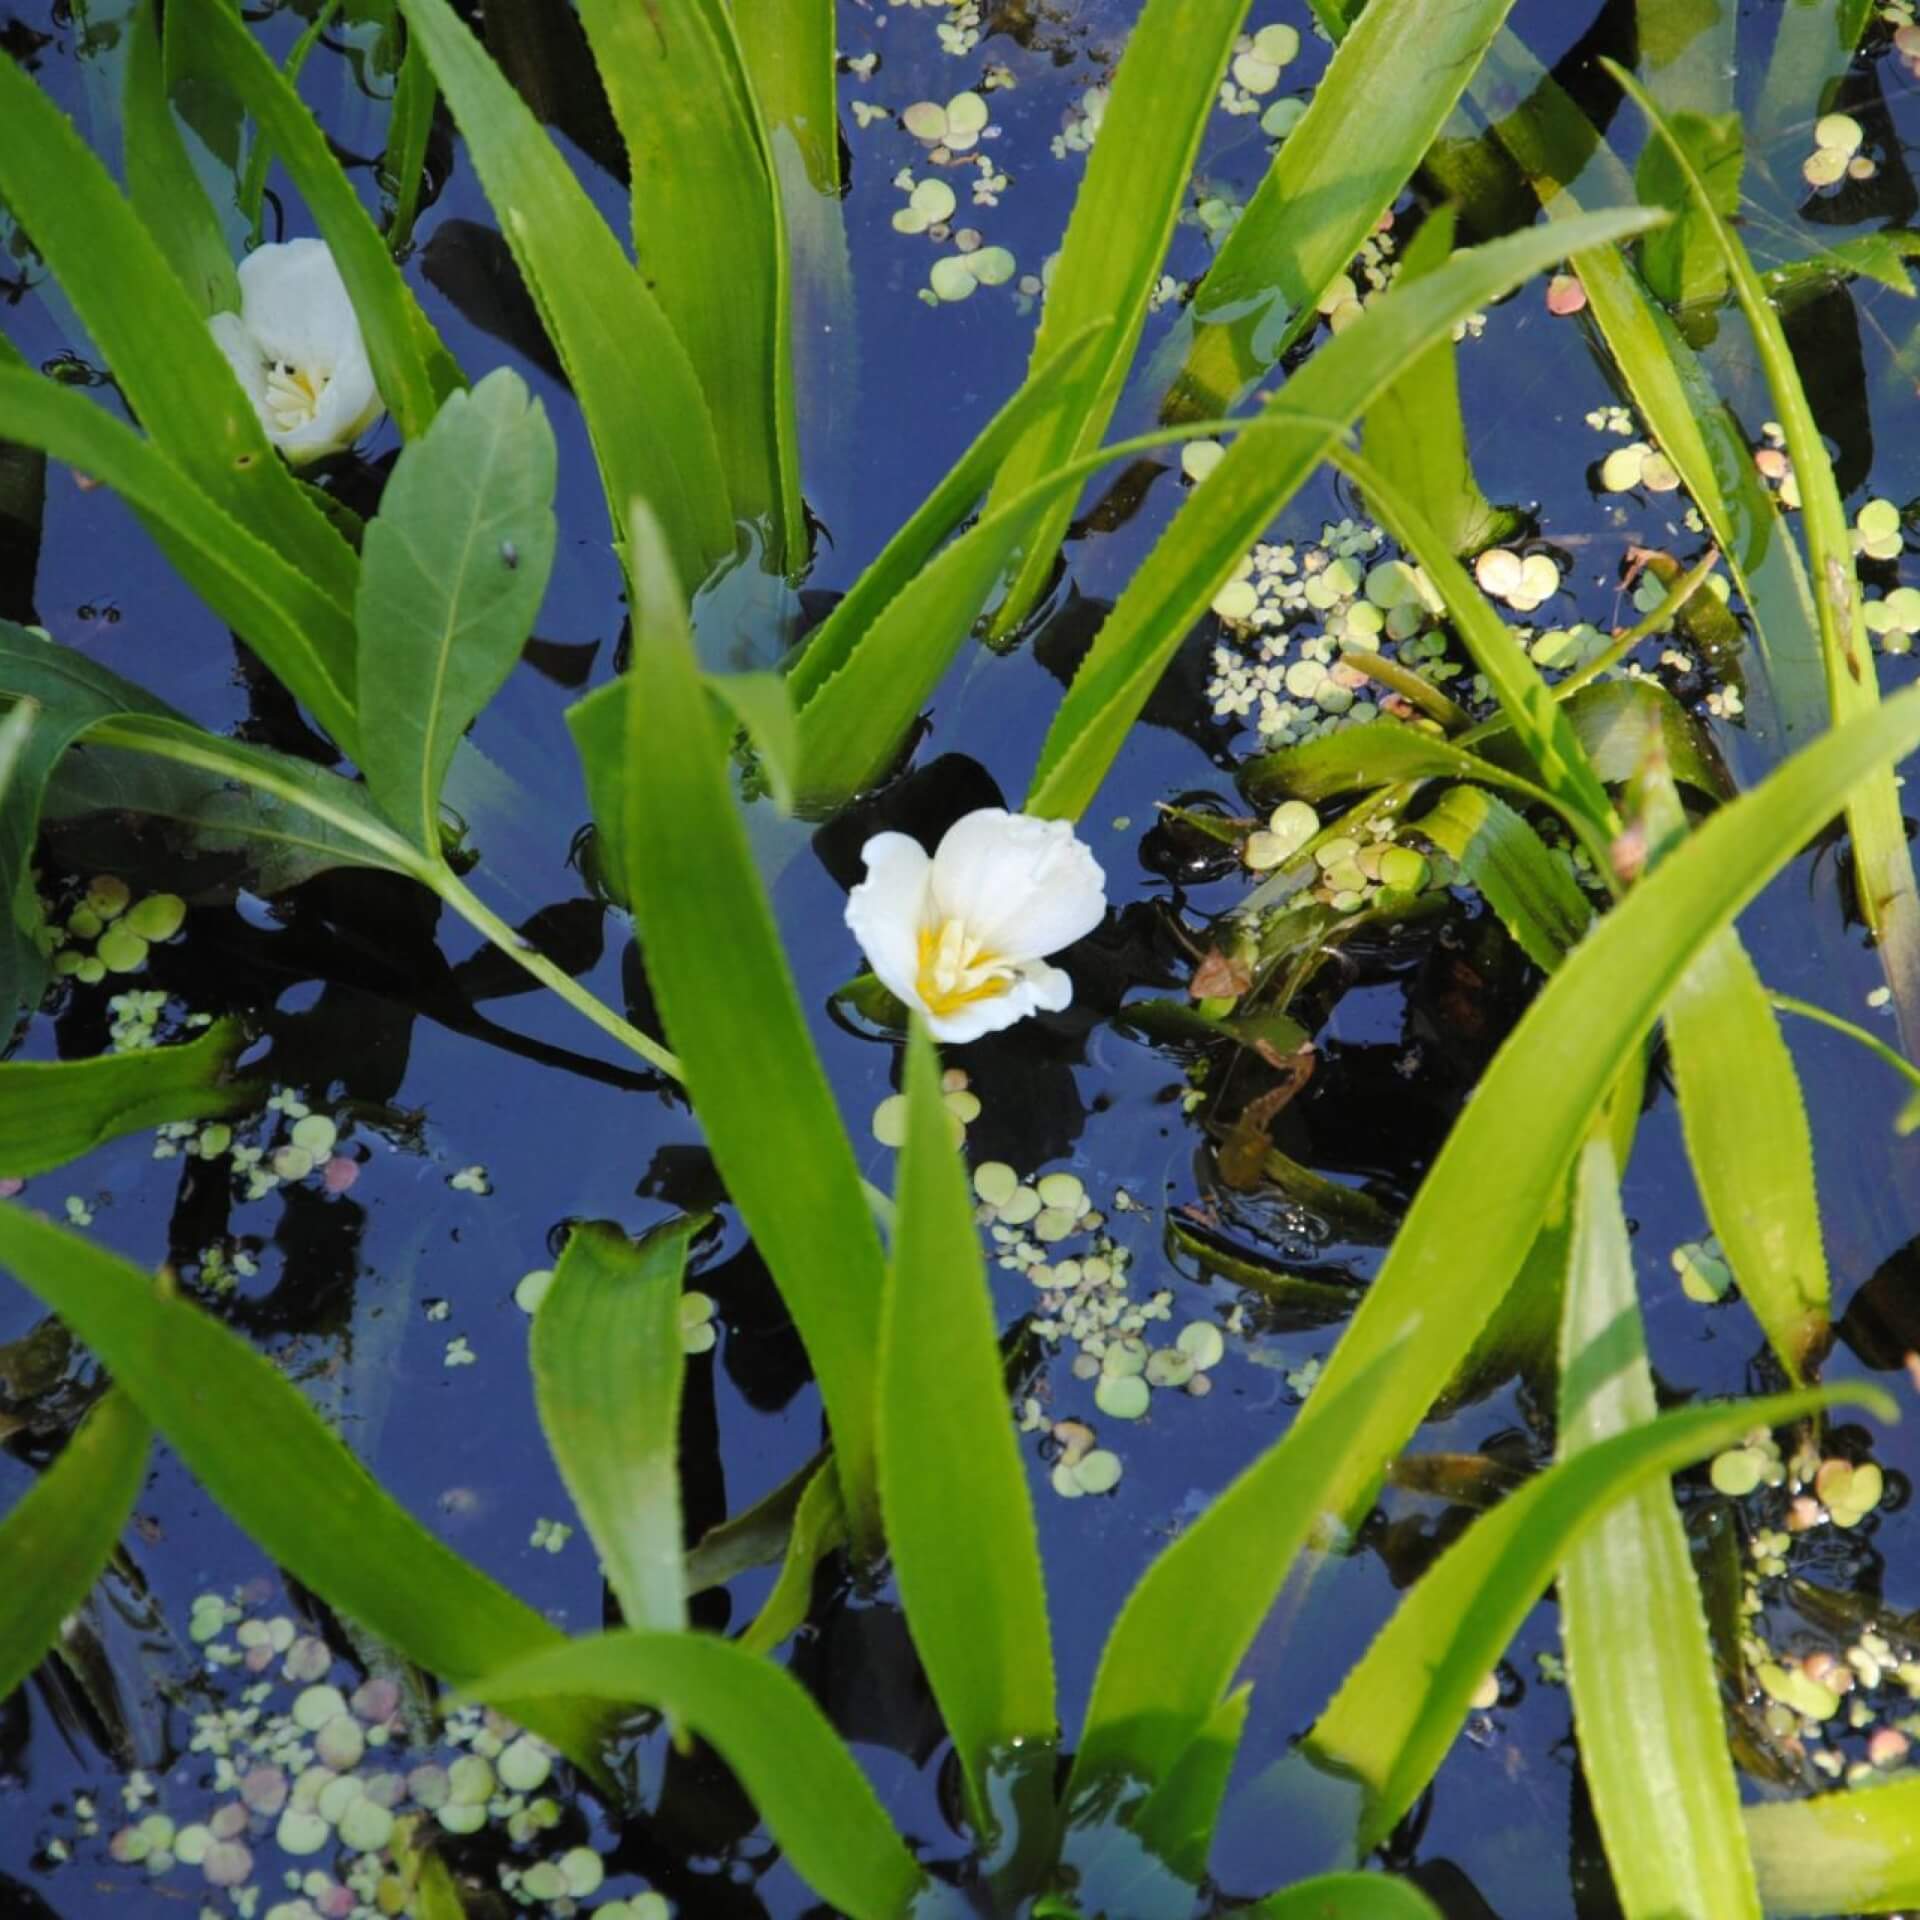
{"x": 1435, "y": 763}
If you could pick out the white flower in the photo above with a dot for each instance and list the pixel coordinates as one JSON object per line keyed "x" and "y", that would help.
{"x": 297, "y": 349}
{"x": 963, "y": 936}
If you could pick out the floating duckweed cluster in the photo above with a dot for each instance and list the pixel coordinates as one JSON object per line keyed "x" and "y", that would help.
{"x": 1288, "y": 680}
{"x": 1522, "y": 582}
{"x": 1877, "y": 531}
{"x": 302, "y": 1800}
{"x": 1704, "y": 1274}
{"x": 890, "y": 1116}
{"x": 1837, "y": 156}
{"x": 959, "y": 32}
{"x": 1258, "y": 61}
{"x": 285, "y": 1144}
{"x": 1849, "y": 1712}
{"x": 108, "y": 931}
{"x": 1080, "y": 125}
{"x": 1775, "y": 467}
{"x": 1047, "y": 1230}
{"x": 1639, "y": 466}
{"x": 1371, "y": 274}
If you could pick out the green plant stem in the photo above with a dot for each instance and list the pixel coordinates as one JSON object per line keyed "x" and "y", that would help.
{"x": 1411, "y": 687}
{"x": 1617, "y": 650}
{"x": 1898, "y": 1061}
{"x": 475, "y": 911}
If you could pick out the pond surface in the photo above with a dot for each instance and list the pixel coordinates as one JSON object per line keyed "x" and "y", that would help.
{"x": 478, "y": 1117}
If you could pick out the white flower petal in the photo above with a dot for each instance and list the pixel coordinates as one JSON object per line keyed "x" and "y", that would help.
{"x": 243, "y": 355}
{"x": 295, "y": 304}
{"x": 1023, "y": 887}
{"x": 888, "y": 909}
{"x": 349, "y": 404}
{"x": 981, "y": 1017}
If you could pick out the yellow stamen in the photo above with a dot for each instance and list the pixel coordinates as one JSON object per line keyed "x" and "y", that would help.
{"x": 293, "y": 394}
{"x": 955, "y": 972}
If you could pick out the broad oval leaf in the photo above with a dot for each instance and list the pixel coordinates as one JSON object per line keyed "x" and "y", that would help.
{"x": 758, "y": 1718}
{"x": 607, "y": 1367}
{"x": 294, "y": 1487}
{"x": 451, "y": 578}
{"x": 59, "y": 1535}
{"x": 953, "y": 1488}
{"x": 53, "y": 1111}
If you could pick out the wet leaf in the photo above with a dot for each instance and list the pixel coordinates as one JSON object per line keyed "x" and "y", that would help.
{"x": 1347, "y": 1896}
{"x": 818, "y": 1527}
{"x": 1851, "y": 1852}
{"x": 1528, "y": 886}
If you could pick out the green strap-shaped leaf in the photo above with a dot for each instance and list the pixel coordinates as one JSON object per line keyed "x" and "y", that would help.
{"x": 607, "y": 1366}
{"x": 154, "y": 337}
{"x": 1528, "y": 886}
{"x": 709, "y": 232}
{"x": 832, "y": 644}
{"x": 1346, "y": 1896}
{"x": 1617, "y": 723}
{"x": 789, "y": 49}
{"x": 1553, "y": 142}
{"x": 1415, "y": 436}
{"x": 1123, "y": 218}
{"x": 1377, "y": 754}
{"x": 304, "y": 636}
{"x": 409, "y": 128}
{"x": 1883, "y": 867}
{"x": 1646, "y": 1699}
{"x": 1327, "y": 189}
{"x": 166, "y": 191}
{"x": 819, "y": 1525}
{"x": 953, "y": 1488}
{"x": 1751, "y": 1149}
{"x": 652, "y": 433}
{"x": 653, "y": 756}
{"x": 53, "y": 1111}
{"x": 58, "y": 1537}
{"x": 1176, "y": 1824}
{"x": 1260, "y": 472}
{"x": 411, "y": 363}
{"x": 1170, "y": 1659}
{"x": 1398, "y": 1710}
{"x": 1851, "y": 1852}
{"x": 1536, "y": 1101}
{"x": 451, "y": 578}
{"x": 795, "y": 1768}
{"x": 293, "y": 1486}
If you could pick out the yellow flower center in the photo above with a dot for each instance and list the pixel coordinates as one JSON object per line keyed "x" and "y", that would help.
{"x": 955, "y": 971}
{"x": 293, "y": 395}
